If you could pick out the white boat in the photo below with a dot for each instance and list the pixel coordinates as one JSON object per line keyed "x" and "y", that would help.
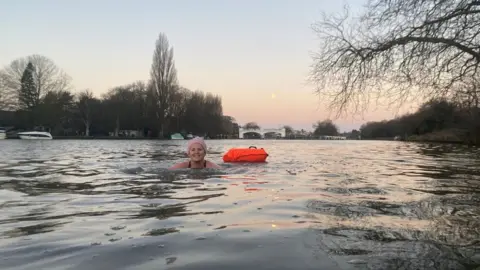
{"x": 3, "y": 134}
{"x": 35, "y": 135}
{"x": 176, "y": 136}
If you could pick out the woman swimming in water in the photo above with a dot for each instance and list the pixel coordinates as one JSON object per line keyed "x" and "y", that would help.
{"x": 196, "y": 151}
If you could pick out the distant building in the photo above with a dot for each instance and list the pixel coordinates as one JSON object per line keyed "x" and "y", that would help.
{"x": 128, "y": 133}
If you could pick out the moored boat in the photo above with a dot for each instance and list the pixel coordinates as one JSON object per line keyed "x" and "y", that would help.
{"x": 176, "y": 136}
{"x": 3, "y": 134}
{"x": 35, "y": 135}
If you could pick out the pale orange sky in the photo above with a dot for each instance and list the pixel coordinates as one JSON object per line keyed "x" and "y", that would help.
{"x": 244, "y": 51}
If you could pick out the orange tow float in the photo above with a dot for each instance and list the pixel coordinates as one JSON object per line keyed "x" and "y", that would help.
{"x": 251, "y": 154}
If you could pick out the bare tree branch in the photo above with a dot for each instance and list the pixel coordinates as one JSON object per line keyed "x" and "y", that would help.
{"x": 398, "y": 50}
{"x": 8, "y": 97}
{"x": 251, "y": 125}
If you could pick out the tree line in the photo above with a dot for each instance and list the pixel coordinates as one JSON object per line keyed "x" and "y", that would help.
{"x": 440, "y": 116}
{"x": 36, "y": 94}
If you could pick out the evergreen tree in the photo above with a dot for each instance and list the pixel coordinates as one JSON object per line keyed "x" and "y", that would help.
{"x": 28, "y": 95}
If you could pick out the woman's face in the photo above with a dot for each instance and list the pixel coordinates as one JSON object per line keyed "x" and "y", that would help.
{"x": 196, "y": 153}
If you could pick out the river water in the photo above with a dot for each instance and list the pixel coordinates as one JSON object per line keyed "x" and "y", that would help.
{"x": 86, "y": 204}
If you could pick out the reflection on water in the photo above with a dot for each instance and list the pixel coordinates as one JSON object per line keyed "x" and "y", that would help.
{"x": 314, "y": 205}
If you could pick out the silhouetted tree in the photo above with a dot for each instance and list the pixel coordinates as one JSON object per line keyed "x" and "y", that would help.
{"x": 398, "y": 49}
{"x": 230, "y": 126}
{"x": 178, "y": 107}
{"x": 85, "y": 106}
{"x": 354, "y": 134}
{"x": 326, "y": 128}
{"x": 126, "y": 107}
{"x": 28, "y": 96}
{"x": 288, "y": 130}
{"x": 163, "y": 80}
{"x": 56, "y": 111}
{"x": 251, "y": 125}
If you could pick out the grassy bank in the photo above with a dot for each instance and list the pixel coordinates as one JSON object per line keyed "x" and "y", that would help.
{"x": 111, "y": 138}
{"x": 161, "y": 139}
{"x": 457, "y": 136}
{"x": 95, "y": 138}
{"x": 103, "y": 138}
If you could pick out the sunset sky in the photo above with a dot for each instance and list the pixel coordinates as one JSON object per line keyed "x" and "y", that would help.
{"x": 253, "y": 54}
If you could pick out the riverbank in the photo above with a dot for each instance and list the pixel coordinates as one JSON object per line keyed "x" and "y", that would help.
{"x": 159, "y": 139}
{"x": 436, "y": 137}
{"x": 95, "y": 138}
{"x": 454, "y": 136}
{"x": 106, "y": 138}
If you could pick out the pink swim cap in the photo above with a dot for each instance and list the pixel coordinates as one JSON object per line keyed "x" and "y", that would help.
{"x": 195, "y": 140}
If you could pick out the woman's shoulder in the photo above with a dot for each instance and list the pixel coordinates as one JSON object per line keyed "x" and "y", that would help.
{"x": 212, "y": 165}
{"x": 180, "y": 165}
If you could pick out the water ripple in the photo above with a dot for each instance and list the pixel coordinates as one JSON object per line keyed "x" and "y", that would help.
{"x": 314, "y": 205}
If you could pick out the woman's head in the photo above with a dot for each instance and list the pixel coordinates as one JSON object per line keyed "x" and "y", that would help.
{"x": 196, "y": 149}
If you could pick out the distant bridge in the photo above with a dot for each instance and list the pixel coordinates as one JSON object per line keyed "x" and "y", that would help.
{"x": 262, "y": 133}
